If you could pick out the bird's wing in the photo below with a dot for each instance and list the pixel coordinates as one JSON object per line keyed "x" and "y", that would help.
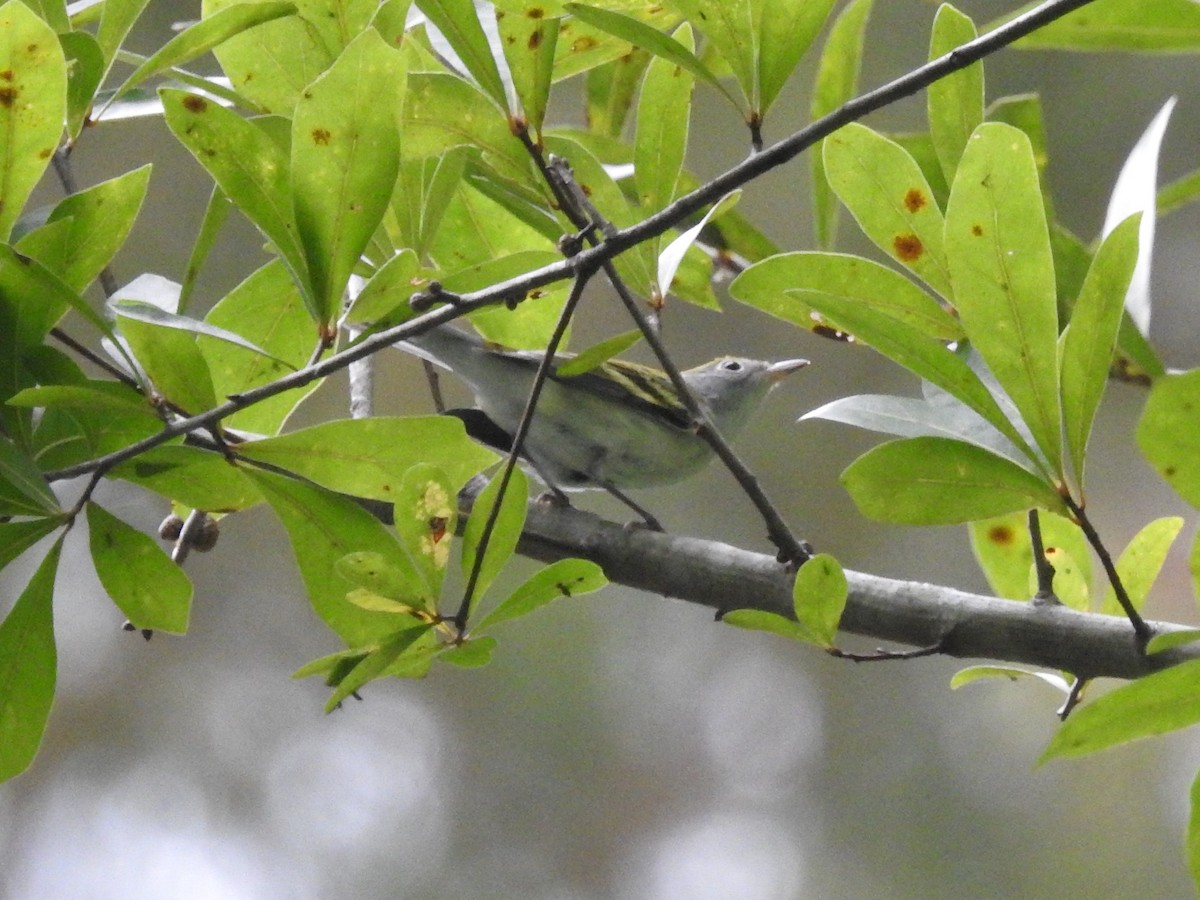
{"x": 639, "y": 387}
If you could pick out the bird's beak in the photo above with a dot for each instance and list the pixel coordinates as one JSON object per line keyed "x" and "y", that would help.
{"x": 776, "y": 371}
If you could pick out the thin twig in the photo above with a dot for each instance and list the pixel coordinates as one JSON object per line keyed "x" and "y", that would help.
{"x": 518, "y": 441}
{"x": 1041, "y": 565}
{"x": 1141, "y": 630}
{"x": 1074, "y": 697}
{"x": 882, "y": 654}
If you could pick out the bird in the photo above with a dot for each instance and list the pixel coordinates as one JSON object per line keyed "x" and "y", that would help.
{"x": 615, "y": 427}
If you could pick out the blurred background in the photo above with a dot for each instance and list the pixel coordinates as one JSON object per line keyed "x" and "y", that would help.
{"x": 620, "y": 745}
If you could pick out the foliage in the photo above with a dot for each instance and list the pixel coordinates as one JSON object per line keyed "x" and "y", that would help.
{"x": 403, "y": 156}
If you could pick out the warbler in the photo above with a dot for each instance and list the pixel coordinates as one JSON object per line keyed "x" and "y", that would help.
{"x": 619, "y": 425}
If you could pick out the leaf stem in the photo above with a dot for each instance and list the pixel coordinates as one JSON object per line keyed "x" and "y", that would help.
{"x": 1141, "y": 630}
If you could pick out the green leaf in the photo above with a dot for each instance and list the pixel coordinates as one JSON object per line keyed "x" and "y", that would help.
{"x": 33, "y": 106}
{"x": 470, "y": 654}
{"x": 819, "y": 598}
{"x": 23, "y": 490}
{"x": 273, "y": 64}
{"x": 1069, "y": 584}
{"x": 1140, "y": 563}
{"x": 377, "y": 662}
{"x": 502, "y": 542}
{"x": 442, "y": 111}
{"x": 663, "y": 114}
{"x": 97, "y": 222}
{"x": 936, "y": 481}
{"x": 27, "y": 668}
{"x": 648, "y": 37}
{"x": 956, "y": 101}
{"x": 118, "y": 17}
{"x": 1159, "y": 703}
{"x": 1155, "y": 26}
{"x": 169, "y": 357}
{"x": 150, "y": 589}
{"x": 85, "y": 69}
{"x": 388, "y": 292}
{"x": 837, "y": 82}
{"x": 788, "y": 286}
{"x": 1024, "y": 111}
{"x": 248, "y": 166}
{"x": 598, "y": 353}
{"x": 459, "y": 25}
{"x": 610, "y": 91}
{"x": 1137, "y": 357}
{"x": 1167, "y": 433}
{"x": 529, "y": 38}
{"x": 423, "y": 194}
{"x": 379, "y": 575}
{"x": 565, "y": 578}
{"x": 1091, "y": 336}
{"x": 215, "y": 214}
{"x": 773, "y": 623}
{"x": 345, "y": 159}
{"x": 636, "y": 265}
{"x": 84, "y": 421}
{"x": 41, "y": 296}
{"x": 268, "y": 312}
{"x": 977, "y": 673}
{"x": 1169, "y": 640}
{"x": 531, "y": 324}
{"x": 368, "y": 457}
{"x": 847, "y": 291}
{"x": 1002, "y": 549}
{"x": 1003, "y": 275}
{"x": 1005, "y": 553}
{"x": 785, "y": 31}
{"x": 583, "y": 46}
{"x": 204, "y": 36}
{"x": 426, "y": 517}
{"x": 670, "y": 277}
{"x": 153, "y": 314}
{"x": 54, "y": 12}
{"x": 17, "y": 537}
{"x": 323, "y": 527}
{"x": 198, "y": 479}
{"x": 886, "y": 192}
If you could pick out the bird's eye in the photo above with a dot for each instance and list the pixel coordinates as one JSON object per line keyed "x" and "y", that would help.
{"x": 731, "y": 365}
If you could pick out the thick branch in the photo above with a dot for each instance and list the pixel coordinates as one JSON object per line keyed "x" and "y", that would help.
{"x": 962, "y": 624}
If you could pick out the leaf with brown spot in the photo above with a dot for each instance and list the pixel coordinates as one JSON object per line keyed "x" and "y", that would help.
{"x": 33, "y": 106}
{"x": 884, "y": 189}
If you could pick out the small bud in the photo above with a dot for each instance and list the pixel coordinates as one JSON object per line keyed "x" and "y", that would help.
{"x": 206, "y": 538}
{"x": 170, "y": 528}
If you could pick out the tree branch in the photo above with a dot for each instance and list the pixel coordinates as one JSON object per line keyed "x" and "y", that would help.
{"x": 960, "y": 624}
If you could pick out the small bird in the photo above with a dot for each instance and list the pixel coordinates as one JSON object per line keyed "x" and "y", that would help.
{"x": 620, "y": 425}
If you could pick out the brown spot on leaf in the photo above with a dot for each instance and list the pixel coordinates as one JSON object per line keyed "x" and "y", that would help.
{"x": 908, "y": 247}
{"x": 8, "y": 96}
{"x": 977, "y": 230}
{"x": 583, "y": 43}
{"x": 437, "y": 527}
{"x": 535, "y": 12}
{"x": 46, "y": 153}
{"x": 321, "y": 136}
{"x": 195, "y": 104}
{"x": 915, "y": 200}
{"x": 7, "y": 74}
{"x": 1001, "y": 534}
{"x": 535, "y": 39}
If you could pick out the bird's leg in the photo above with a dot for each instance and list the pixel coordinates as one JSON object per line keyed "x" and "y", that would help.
{"x": 648, "y": 521}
